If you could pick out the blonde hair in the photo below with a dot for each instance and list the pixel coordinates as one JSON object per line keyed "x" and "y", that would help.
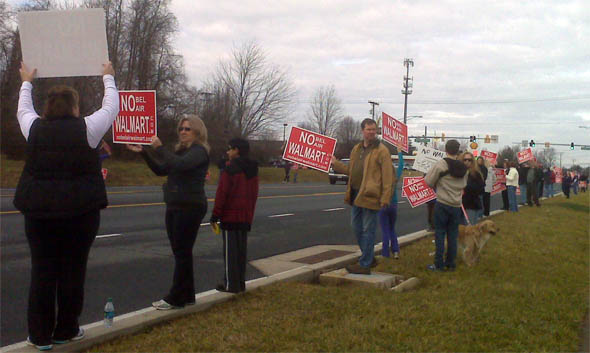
{"x": 198, "y": 128}
{"x": 474, "y": 167}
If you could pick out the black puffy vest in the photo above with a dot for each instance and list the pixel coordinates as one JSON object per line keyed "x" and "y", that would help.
{"x": 62, "y": 175}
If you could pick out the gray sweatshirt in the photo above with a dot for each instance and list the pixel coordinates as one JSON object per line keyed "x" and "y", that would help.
{"x": 449, "y": 189}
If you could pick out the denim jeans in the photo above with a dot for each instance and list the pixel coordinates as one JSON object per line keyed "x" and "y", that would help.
{"x": 473, "y": 216}
{"x": 512, "y": 203}
{"x": 387, "y": 218}
{"x": 364, "y": 225}
{"x": 446, "y": 224}
{"x": 522, "y": 193}
{"x": 575, "y": 187}
{"x": 548, "y": 190}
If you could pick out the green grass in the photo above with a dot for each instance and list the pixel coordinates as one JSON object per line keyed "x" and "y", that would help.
{"x": 529, "y": 292}
{"x": 132, "y": 173}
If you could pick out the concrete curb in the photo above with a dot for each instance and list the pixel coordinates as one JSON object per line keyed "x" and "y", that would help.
{"x": 136, "y": 321}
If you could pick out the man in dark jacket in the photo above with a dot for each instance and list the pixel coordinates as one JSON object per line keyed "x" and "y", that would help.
{"x": 523, "y": 170}
{"x": 235, "y": 202}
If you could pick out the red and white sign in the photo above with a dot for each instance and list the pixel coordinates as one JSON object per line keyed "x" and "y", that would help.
{"x": 310, "y": 149}
{"x": 104, "y": 173}
{"x": 137, "y": 121}
{"x": 525, "y": 156}
{"x": 500, "y": 184}
{"x": 395, "y": 132}
{"x": 583, "y": 184}
{"x": 518, "y": 190}
{"x": 490, "y": 156}
{"x": 408, "y": 181}
{"x": 419, "y": 193}
{"x": 475, "y": 153}
{"x": 558, "y": 175}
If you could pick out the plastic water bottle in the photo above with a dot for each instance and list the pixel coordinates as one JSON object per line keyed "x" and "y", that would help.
{"x": 109, "y": 313}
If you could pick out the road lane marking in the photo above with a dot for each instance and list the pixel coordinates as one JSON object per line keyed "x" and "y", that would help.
{"x": 282, "y": 215}
{"x": 402, "y": 202}
{"x": 108, "y": 236}
{"x": 209, "y": 200}
{"x": 333, "y": 209}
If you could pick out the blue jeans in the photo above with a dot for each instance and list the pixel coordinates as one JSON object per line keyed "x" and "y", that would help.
{"x": 522, "y": 193}
{"x": 364, "y": 225}
{"x": 512, "y": 204}
{"x": 446, "y": 223}
{"x": 548, "y": 190}
{"x": 473, "y": 215}
{"x": 387, "y": 218}
{"x": 575, "y": 187}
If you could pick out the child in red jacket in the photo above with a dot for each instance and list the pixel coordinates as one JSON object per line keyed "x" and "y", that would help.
{"x": 235, "y": 202}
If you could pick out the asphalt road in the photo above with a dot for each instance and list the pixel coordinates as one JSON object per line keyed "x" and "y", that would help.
{"x": 131, "y": 260}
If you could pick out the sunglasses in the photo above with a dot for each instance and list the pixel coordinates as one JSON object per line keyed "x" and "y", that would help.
{"x": 468, "y": 160}
{"x": 181, "y": 129}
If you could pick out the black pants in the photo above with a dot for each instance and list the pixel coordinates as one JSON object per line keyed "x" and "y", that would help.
{"x": 566, "y": 190}
{"x": 486, "y": 204}
{"x": 430, "y": 207}
{"x": 505, "y": 200}
{"x": 235, "y": 253}
{"x": 531, "y": 194}
{"x": 59, "y": 254}
{"x": 182, "y": 226}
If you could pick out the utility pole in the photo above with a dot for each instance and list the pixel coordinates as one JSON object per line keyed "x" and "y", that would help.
{"x": 407, "y": 85}
{"x": 425, "y": 134}
{"x": 284, "y": 128}
{"x": 373, "y": 104}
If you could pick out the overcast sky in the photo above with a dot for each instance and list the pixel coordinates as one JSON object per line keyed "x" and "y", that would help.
{"x": 517, "y": 69}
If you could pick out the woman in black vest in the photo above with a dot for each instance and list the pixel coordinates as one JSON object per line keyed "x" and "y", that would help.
{"x": 186, "y": 203}
{"x": 60, "y": 193}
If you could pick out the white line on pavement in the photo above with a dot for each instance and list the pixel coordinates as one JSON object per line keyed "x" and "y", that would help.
{"x": 333, "y": 209}
{"x": 205, "y": 224}
{"x": 108, "y": 235}
{"x": 402, "y": 202}
{"x": 281, "y": 215}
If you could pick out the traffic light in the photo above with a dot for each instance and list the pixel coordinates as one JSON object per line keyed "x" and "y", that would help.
{"x": 571, "y": 146}
{"x": 532, "y": 143}
{"x": 472, "y": 138}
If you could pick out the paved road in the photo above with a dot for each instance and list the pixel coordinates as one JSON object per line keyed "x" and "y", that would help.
{"x": 131, "y": 259}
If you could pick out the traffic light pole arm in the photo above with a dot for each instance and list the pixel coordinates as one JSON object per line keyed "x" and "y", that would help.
{"x": 438, "y": 137}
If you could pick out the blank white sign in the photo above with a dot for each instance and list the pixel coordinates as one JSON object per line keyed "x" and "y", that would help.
{"x": 64, "y": 43}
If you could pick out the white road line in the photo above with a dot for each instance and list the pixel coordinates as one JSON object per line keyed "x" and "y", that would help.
{"x": 333, "y": 209}
{"x": 108, "y": 235}
{"x": 282, "y": 215}
{"x": 402, "y": 202}
{"x": 205, "y": 224}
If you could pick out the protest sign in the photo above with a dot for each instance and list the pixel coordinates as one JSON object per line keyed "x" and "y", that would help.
{"x": 419, "y": 193}
{"x": 395, "y": 132}
{"x": 490, "y": 156}
{"x": 64, "y": 43}
{"x": 426, "y": 158}
{"x": 583, "y": 184}
{"x": 408, "y": 181}
{"x": 558, "y": 175}
{"x": 525, "y": 156}
{"x": 104, "y": 172}
{"x": 309, "y": 149}
{"x": 500, "y": 183}
{"x": 137, "y": 121}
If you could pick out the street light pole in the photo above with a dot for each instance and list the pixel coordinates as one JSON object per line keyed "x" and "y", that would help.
{"x": 407, "y": 85}
{"x": 284, "y": 129}
{"x": 373, "y": 104}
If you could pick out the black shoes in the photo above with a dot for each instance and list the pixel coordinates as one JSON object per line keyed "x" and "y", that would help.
{"x": 358, "y": 269}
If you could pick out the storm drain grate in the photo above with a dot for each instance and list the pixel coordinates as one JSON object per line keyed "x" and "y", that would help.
{"x": 323, "y": 256}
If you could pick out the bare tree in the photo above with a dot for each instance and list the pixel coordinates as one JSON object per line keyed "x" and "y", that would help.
{"x": 348, "y": 133}
{"x": 546, "y": 157}
{"x": 325, "y": 110}
{"x": 509, "y": 153}
{"x": 261, "y": 92}
{"x": 307, "y": 126}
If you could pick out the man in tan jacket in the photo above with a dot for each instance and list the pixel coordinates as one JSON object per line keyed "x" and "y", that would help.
{"x": 370, "y": 187}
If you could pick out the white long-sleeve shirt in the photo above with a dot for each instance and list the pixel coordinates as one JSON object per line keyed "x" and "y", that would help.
{"x": 97, "y": 124}
{"x": 512, "y": 177}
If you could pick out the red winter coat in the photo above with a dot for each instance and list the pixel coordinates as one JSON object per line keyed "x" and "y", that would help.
{"x": 236, "y": 195}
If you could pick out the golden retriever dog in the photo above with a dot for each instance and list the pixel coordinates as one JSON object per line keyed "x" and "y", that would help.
{"x": 473, "y": 238}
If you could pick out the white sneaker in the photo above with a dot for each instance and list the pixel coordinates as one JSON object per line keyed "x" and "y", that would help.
{"x": 163, "y": 305}
{"x": 78, "y": 337}
{"x": 45, "y": 347}
{"x": 396, "y": 255}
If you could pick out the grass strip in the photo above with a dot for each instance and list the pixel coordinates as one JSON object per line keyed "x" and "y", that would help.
{"x": 529, "y": 292}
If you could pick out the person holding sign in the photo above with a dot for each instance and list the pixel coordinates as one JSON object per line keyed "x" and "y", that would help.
{"x": 448, "y": 177}
{"x": 186, "y": 202}
{"x": 60, "y": 193}
{"x": 369, "y": 190}
{"x": 235, "y": 202}
{"x": 512, "y": 180}
{"x": 388, "y": 217}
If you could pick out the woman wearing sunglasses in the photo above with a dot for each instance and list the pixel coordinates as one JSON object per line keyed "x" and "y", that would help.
{"x": 186, "y": 203}
{"x": 474, "y": 189}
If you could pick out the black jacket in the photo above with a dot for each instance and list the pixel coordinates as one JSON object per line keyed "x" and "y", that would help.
{"x": 522, "y": 173}
{"x": 186, "y": 170}
{"x": 62, "y": 175}
{"x": 475, "y": 187}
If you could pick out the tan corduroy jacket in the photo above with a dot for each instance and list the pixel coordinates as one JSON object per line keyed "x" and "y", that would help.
{"x": 378, "y": 178}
